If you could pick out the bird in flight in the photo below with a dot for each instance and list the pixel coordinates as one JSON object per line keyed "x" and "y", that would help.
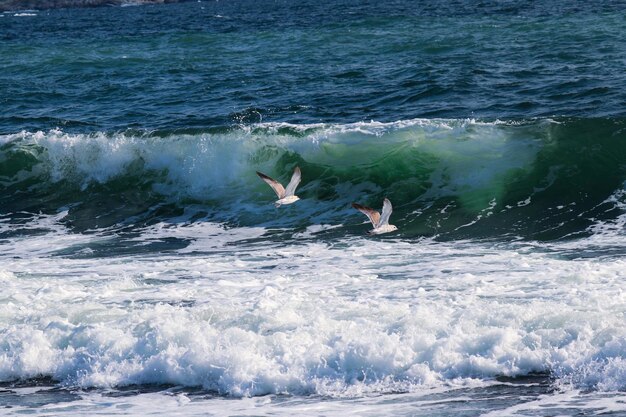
{"x": 380, "y": 221}
{"x": 285, "y": 195}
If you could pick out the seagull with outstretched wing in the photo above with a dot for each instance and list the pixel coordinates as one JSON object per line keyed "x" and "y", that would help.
{"x": 379, "y": 221}
{"x": 285, "y": 195}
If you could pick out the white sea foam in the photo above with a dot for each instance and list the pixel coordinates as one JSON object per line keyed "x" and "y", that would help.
{"x": 55, "y": 231}
{"x": 567, "y": 403}
{"x": 239, "y": 313}
{"x": 380, "y": 316}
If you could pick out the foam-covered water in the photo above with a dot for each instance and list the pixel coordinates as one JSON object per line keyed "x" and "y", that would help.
{"x": 380, "y": 316}
{"x": 171, "y": 271}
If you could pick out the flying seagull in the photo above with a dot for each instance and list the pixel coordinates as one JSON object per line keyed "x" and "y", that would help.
{"x": 285, "y": 195}
{"x": 380, "y": 222}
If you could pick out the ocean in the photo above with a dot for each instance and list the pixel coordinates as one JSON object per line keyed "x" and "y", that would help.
{"x": 145, "y": 270}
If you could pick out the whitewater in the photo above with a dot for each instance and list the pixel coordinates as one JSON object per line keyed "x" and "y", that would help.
{"x": 233, "y": 315}
{"x": 202, "y": 290}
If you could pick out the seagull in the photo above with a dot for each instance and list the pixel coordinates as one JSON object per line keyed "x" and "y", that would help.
{"x": 285, "y": 196}
{"x": 380, "y": 222}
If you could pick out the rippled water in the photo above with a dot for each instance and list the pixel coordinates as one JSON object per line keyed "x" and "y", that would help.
{"x": 204, "y": 64}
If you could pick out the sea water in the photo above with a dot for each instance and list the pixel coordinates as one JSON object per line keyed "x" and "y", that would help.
{"x": 145, "y": 270}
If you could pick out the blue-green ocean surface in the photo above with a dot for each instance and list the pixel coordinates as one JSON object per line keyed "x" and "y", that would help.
{"x": 144, "y": 268}
{"x": 197, "y": 66}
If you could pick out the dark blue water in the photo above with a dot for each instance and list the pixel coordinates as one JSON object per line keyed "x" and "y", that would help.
{"x": 205, "y": 64}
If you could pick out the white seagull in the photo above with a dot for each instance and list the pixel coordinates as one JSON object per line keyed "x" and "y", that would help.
{"x": 380, "y": 222}
{"x": 285, "y": 195}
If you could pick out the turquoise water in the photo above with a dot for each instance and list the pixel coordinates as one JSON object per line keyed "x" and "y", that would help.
{"x": 145, "y": 268}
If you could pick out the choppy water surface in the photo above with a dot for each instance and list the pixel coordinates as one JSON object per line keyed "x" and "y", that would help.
{"x": 144, "y": 268}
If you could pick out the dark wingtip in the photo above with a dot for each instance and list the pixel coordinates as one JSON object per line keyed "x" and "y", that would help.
{"x": 356, "y": 206}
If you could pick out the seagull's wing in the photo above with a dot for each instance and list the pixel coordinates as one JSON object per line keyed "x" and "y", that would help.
{"x": 373, "y": 215}
{"x": 387, "y": 209}
{"x": 295, "y": 180}
{"x": 276, "y": 186}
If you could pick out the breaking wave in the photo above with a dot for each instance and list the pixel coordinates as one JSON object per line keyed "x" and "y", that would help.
{"x": 540, "y": 179}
